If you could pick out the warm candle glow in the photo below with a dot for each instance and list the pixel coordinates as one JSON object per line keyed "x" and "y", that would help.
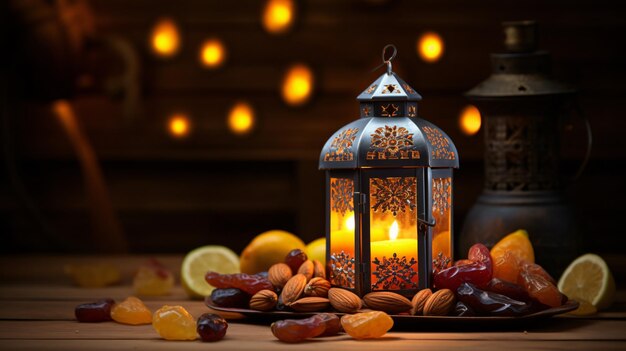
{"x": 241, "y": 118}
{"x": 430, "y": 47}
{"x": 165, "y": 38}
{"x": 470, "y": 120}
{"x": 297, "y": 85}
{"x": 179, "y": 125}
{"x": 212, "y": 53}
{"x": 278, "y": 16}
{"x": 394, "y": 229}
{"x": 349, "y": 222}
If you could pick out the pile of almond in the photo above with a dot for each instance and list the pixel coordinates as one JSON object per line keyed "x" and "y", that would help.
{"x": 309, "y": 291}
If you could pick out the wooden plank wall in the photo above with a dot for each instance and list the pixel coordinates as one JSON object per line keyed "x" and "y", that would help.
{"x": 213, "y": 187}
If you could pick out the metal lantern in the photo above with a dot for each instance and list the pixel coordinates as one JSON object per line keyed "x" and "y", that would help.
{"x": 523, "y": 108}
{"x": 388, "y": 193}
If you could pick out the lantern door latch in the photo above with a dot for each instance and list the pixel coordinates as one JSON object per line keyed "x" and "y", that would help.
{"x": 361, "y": 201}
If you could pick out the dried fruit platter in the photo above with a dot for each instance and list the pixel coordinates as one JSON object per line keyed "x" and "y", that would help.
{"x": 406, "y": 321}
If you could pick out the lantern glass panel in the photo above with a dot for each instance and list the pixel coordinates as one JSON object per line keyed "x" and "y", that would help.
{"x": 393, "y": 233}
{"x": 342, "y": 233}
{"x": 442, "y": 204}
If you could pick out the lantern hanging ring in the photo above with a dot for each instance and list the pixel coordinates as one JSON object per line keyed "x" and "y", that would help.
{"x": 393, "y": 55}
{"x": 387, "y": 61}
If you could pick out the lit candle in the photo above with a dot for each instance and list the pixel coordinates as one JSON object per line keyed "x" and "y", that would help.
{"x": 343, "y": 239}
{"x": 404, "y": 247}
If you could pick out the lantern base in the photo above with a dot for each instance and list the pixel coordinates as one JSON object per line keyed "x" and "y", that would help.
{"x": 551, "y": 223}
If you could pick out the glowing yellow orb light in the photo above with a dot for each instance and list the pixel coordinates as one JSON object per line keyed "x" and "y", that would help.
{"x": 470, "y": 120}
{"x": 241, "y": 118}
{"x": 278, "y": 16}
{"x": 165, "y": 38}
{"x": 430, "y": 47}
{"x": 297, "y": 85}
{"x": 179, "y": 125}
{"x": 212, "y": 53}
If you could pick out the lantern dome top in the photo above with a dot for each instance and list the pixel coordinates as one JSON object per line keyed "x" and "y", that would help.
{"x": 389, "y": 133}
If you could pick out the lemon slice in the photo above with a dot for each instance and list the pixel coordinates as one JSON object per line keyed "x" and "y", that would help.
{"x": 588, "y": 278}
{"x": 201, "y": 260}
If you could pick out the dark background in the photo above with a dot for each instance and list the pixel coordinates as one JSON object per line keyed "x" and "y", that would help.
{"x": 213, "y": 187}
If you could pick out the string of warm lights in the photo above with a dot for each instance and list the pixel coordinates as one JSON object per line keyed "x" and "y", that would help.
{"x": 298, "y": 80}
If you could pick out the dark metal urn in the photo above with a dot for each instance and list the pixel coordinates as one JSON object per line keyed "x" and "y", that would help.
{"x": 522, "y": 110}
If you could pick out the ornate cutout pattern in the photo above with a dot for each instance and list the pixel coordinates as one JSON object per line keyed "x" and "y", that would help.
{"x": 395, "y": 272}
{"x": 442, "y": 195}
{"x": 440, "y": 144}
{"x": 412, "y": 111}
{"x": 371, "y": 89}
{"x": 341, "y": 195}
{"x": 342, "y": 270}
{"x": 390, "y": 89}
{"x": 392, "y": 143}
{"x": 391, "y": 110}
{"x": 341, "y": 146}
{"x": 394, "y": 194}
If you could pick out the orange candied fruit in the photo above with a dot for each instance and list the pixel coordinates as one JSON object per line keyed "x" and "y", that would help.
{"x": 506, "y": 267}
{"x": 131, "y": 311}
{"x": 367, "y": 325}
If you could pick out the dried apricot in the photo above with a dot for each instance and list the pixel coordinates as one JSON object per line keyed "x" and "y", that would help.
{"x": 131, "y": 311}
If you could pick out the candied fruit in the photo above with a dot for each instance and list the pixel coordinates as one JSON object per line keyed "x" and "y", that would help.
{"x": 174, "y": 323}
{"x": 487, "y": 302}
{"x": 294, "y": 259}
{"x": 96, "y": 275}
{"x": 153, "y": 279}
{"x": 476, "y": 273}
{"x": 506, "y": 267}
{"x": 131, "y": 311}
{"x": 211, "y": 327}
{"x": 539, "y": 288}
{"x": 94, "y": 312}
{"x": 367, "y": 325}
{"x": 296, "y": 330}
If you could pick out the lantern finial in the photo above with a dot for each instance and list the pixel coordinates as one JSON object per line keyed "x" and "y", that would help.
{"x": 388, "y": 61}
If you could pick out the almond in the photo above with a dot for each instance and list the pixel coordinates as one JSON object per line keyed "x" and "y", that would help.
{"x": 343, "y": 300}
{"x": 317, "y": 287}
{"x": 310, "y": 304}
{"x": 419, "y": 300}
{"x": 293, "y": 289}
{"x": 264, "y": 300}
{"x": 387, "y": 301}
{"x": 439, "y": 303}
{"x": 307, "y": 268}
{"x": 318, "y": 269}
{"x": 279, "y": 274}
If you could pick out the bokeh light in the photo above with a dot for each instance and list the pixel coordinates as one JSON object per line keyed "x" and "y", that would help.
{"x": 470, "y": 120}
{"x": 212, "y": 53}
{"x": 165, "y": 39}
{"x": 430, "y": 47}
{"x": 278, "y": 16}
{"x": 297, "y": 85}
{"x": 179, "y": 125}
{"x": 241, "y": 118}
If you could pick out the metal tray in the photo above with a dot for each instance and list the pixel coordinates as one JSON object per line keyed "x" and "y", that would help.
{"x": 405, "y": 321}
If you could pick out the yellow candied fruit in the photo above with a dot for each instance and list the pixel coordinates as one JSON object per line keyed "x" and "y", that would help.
{"x": 174, "y": 323}
{"x": 367, "y": 325}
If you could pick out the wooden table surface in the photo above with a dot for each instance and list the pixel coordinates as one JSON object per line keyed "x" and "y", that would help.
{"x": 37, "y": 313}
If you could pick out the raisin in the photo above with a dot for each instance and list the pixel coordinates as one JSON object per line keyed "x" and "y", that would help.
{"x": 505, "y": 288}
{"x": 486, "y": 302}
{"x": 296, "y": 330}
{"x": 211, "y": 327}
{"x": 294, "y": 259}
{"x": 332, "y": 324}
{"x": 94, "y": 312}
{"x": 251, "y": 284}
{"x": 230, "y": 297}
{"x": 463, "y": 310}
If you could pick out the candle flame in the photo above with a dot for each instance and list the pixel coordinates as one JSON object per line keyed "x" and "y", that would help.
{"x": 394, "y": 230}
{"x": 349, "y": 223}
